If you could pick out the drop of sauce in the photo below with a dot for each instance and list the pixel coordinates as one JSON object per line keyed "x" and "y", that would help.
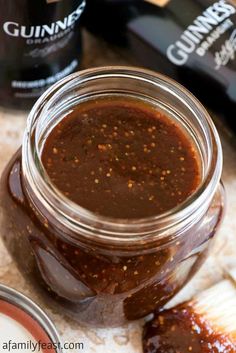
{"x": 181, "y": 330}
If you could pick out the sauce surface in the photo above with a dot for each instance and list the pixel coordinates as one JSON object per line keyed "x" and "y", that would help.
{"x": 121, "y": 158}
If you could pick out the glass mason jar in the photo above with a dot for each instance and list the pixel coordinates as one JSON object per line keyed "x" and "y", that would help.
{"x": 104, "y": 271}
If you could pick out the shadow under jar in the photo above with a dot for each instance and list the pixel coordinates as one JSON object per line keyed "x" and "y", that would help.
{"x": 100, "y": 270}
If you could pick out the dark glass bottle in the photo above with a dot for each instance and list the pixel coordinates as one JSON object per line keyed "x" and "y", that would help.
{"x": 193, "y": 41}
{"x": 39, "y": 44}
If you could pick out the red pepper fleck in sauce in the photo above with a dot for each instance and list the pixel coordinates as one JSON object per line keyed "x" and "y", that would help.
{"x": 122, "y": 158}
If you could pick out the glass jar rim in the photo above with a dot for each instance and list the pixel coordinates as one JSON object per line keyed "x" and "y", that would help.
{"x": 114, "y": 229}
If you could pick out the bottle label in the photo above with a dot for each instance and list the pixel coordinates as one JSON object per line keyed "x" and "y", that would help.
{"x": 39, "y": 44}
{"x": 226, "y": 52}
{"x": 30, "y": 86}
{"x": 202, "y": 34}
{"x": 45, "y": 33}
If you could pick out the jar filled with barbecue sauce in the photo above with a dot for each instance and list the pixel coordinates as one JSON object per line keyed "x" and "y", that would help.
{"x": 113, "y": 201}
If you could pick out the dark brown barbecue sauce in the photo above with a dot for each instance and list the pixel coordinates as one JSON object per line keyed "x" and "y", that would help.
{"x": 121, "y": 158}
{"x": 182, "y": 330}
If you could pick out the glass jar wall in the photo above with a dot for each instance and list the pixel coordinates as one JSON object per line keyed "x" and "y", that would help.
{"x": 103, "y": 271}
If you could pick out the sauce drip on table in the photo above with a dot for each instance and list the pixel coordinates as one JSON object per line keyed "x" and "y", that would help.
{"x": 121, "y": 158}
{"x": 182, "y": 330}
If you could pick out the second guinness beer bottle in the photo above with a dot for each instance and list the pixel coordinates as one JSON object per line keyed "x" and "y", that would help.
{"x": 39, "y": 44}
{"x": 193, "y": 41}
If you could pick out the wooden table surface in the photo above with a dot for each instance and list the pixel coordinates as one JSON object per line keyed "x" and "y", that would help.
{"x": 125, "y": 339}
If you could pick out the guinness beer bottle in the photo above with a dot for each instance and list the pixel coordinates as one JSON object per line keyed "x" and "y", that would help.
{"x": 193, "y": 41}
{"x": 39, "y": 44}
